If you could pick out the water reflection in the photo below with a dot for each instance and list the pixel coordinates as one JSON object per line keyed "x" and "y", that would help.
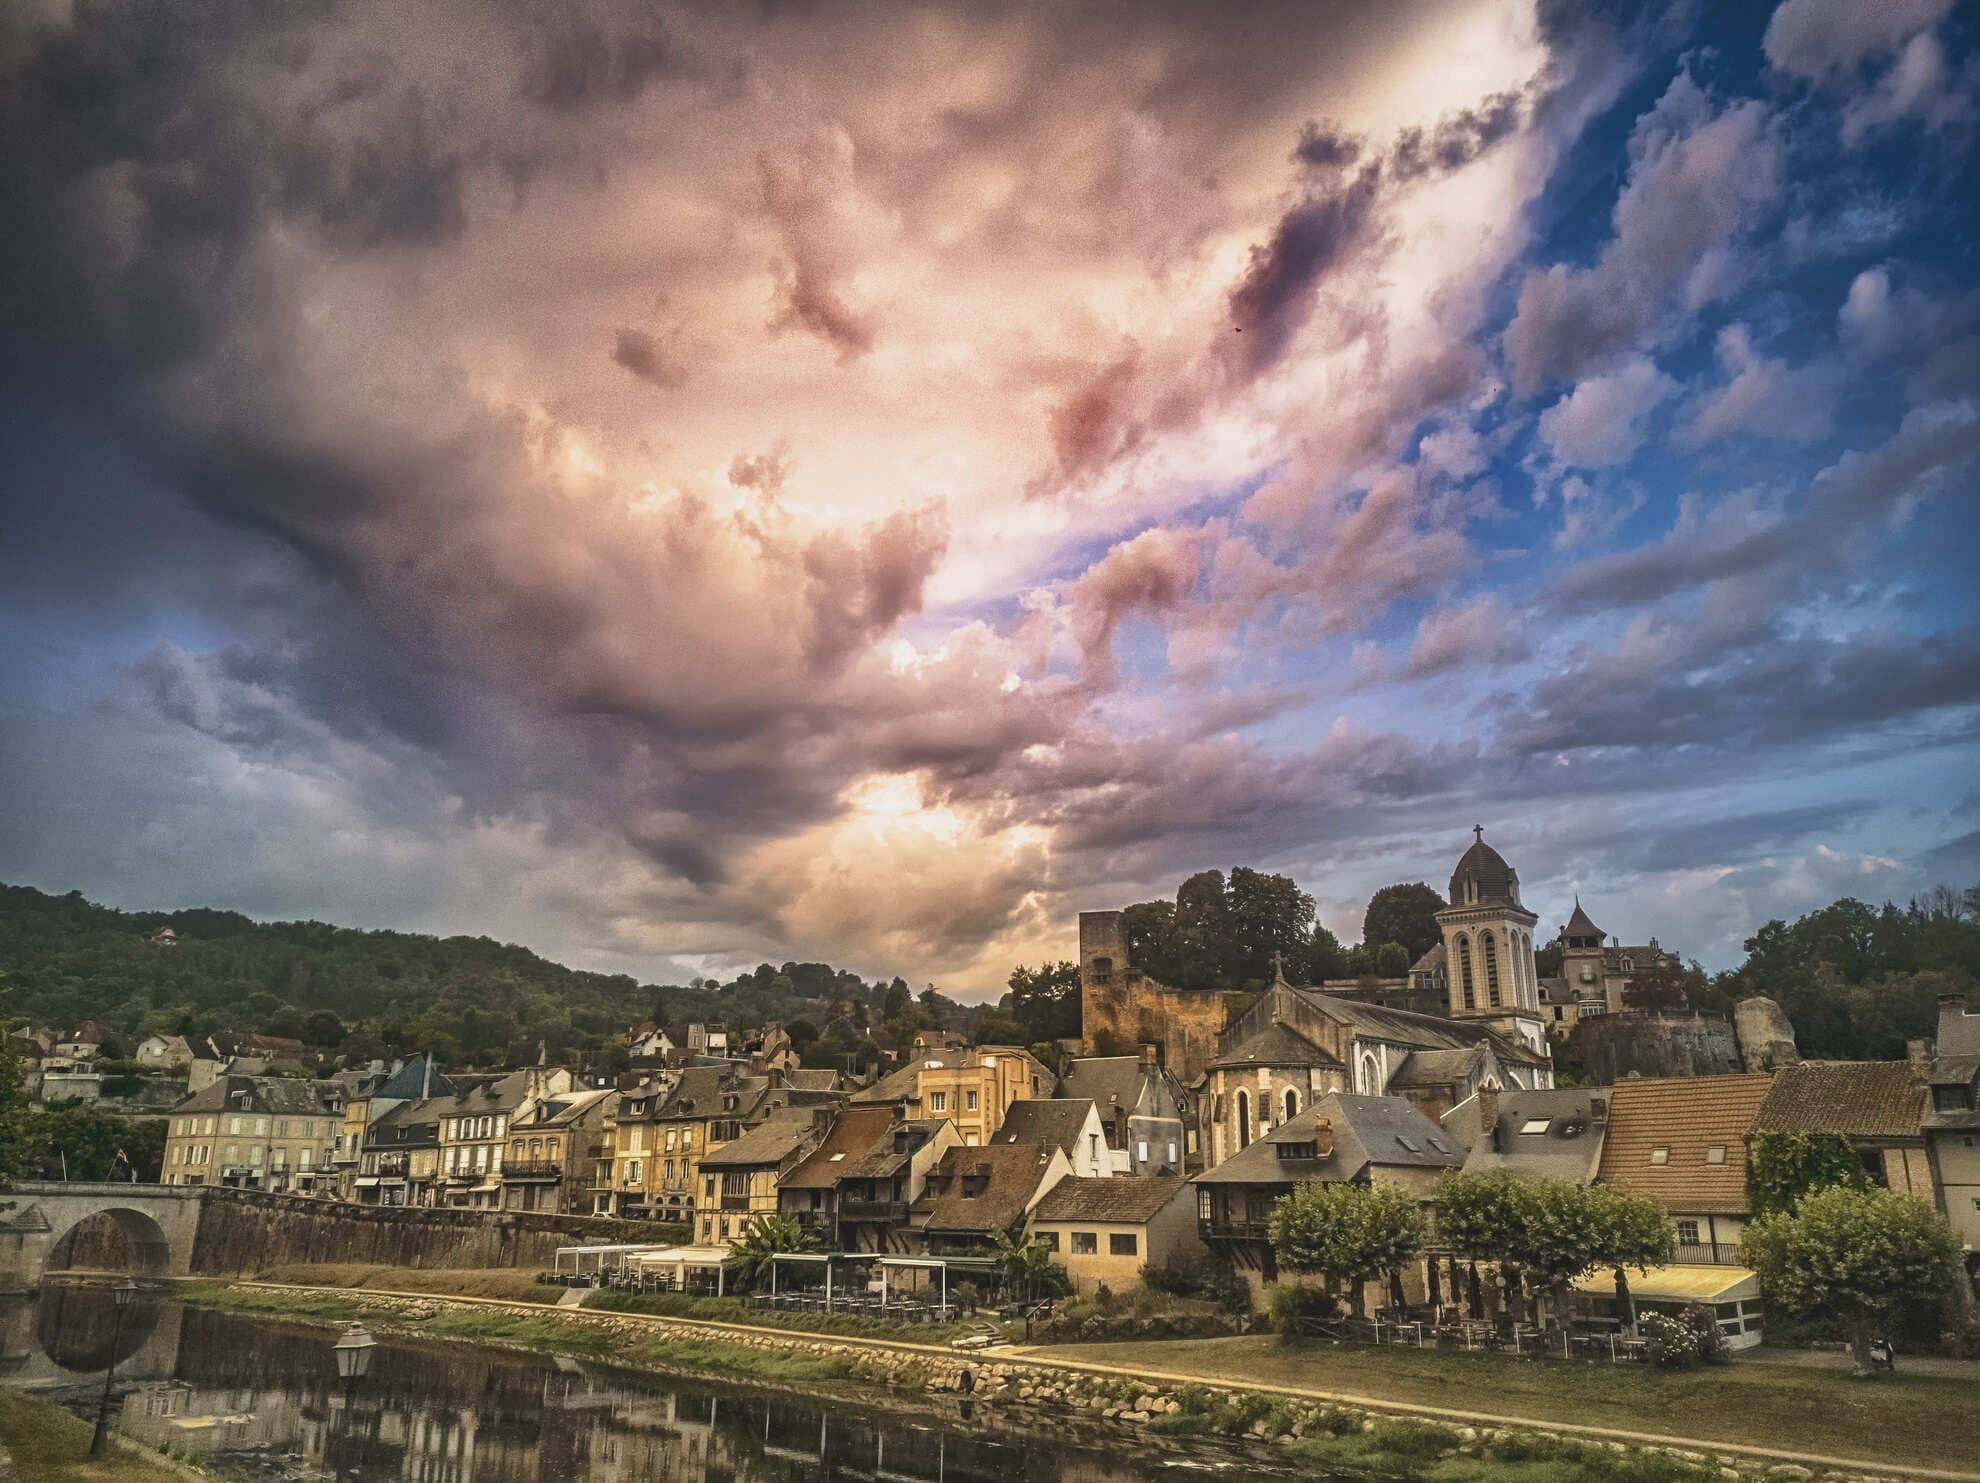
{"x": 258, "y": 1401}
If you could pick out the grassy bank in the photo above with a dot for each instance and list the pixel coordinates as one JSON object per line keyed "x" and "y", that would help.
{"x": 1918, "y": 1420}
{"x": 506, "y": 1283}
{"x": 733, "y": 1310}
{"x": 545, "y": 1335}
{"x": 51, "y": 1446}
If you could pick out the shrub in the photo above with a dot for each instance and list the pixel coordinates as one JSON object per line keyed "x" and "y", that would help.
{"x": 1104, "y": 1300}
{"x": 1334, "y": 1421}
{"x": 1210, "y": 1280}
{"x": 1689, "y": 1337}
{"x": 1196, "y": 1400}
{"x": 1417, "y": 1440}
{"x": 1293, "y": 1301}
{"x": 968, "y": 1296}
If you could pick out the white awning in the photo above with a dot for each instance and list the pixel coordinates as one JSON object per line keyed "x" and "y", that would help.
{"x": 1686, "y": 1283}
{"x": 367, "y": 1181}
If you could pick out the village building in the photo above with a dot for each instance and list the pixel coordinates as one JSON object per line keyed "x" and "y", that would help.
{"x": 1879, "y": 1106}
{"x": 859, "y": 1186}
{"x": 548, "y": 1163}
{"x": 368, "y": 1098}
{"x": 256, "y": 1132}
{"x": 1595, "y": 970}
{"x": 474, "y": 1133}
{"x": 1071, "y": 1125}
{"x": 400, "y": 1161}
{"x": 1952, "y": 1128}
{"x": 973, "y": 1194}
{"x": 1107, "y": 1230}
{"x": 1144, "y": 1111}
{"x": 1341, "y": 1138}
{"x": 739, "y": 1179}
{"x": 973, "y": 1088}
{"x": 1682, "y": 1141}
{"x": 1557, "y": 1133}
{"x": 164, "y": 1053}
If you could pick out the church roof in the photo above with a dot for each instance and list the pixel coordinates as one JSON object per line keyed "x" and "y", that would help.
{"x": 1424, "y": 1031}
{"x": 1430, "y": 962}
{"x": 1579, "y": 925}
{"x": 1496, "y": 880}
{"x": 1275, "y": 1045}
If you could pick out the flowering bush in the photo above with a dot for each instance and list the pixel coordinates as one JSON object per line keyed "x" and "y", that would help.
{"x": 1689, "y": 1337}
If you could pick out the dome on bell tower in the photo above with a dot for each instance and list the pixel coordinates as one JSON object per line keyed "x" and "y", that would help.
{"x": 1483, "y": 875}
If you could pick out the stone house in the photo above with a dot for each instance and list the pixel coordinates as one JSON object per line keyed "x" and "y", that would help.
{"x": 1595, "y": 970}
{"x": 1879, "y": 1106}
{"x": 1342, "y": 1138}
{"x": 1145, "y": 1114}
{"x": 474, "y": 1132}
{"x": 549, "y": 1160}
{"x": 257, "y": 1132}
{"x": 739, "y": 1180}
{"x": 164, "y": 1052}
{"x": 1557, "y": 1133}
{"x": 973, "y": 1088}
{"x": 857, "y": 1189}
{"x": 1107, "y": 1230}
{"x": 1069, "y": 1124}
{"x": 1682, "y": 1141}
{"x": 400, "y": 1161}
{"x": 973, "y": 1193}
{"x": 1952, "y": 1128}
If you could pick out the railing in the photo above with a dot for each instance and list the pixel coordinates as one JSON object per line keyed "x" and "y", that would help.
{"x": 392, "y": 1165}
{"x": 735, "y": 1202}
{"x": 1234, "y": 1230}
{"x": 877, "y": 1212}
{"x": 532, "y": 1169}
{"x": 1708, "y": 1254}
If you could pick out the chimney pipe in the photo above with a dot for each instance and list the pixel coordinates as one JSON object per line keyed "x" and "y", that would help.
{"x": 1147, "y": 1055}
{"x": 1323, "y": 1138}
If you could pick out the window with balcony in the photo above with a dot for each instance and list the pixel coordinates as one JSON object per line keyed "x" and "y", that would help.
{"x": 1688, "y": 1233}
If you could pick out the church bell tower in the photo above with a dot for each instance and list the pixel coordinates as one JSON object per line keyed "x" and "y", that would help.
{"x": 1488, "y": 948}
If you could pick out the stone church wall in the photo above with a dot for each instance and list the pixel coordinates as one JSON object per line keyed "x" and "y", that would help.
{"x": 1616, "y": 1046}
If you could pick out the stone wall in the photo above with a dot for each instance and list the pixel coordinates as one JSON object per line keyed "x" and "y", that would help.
{"x": 1133, "y": 1009}
{"x": 1616, "y": 1046}
{"x": 247, "y": 1230}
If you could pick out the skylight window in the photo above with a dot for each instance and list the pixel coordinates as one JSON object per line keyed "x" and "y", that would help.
{"x": 835, "y": 1158}
{"x": 1661, "y": 1154}
{"x": 1407, "y": 1144}
{"x": 1536, "y": 1125}
{"x": 1716, "y": 1154}
{"x": 1440, "y": 1145}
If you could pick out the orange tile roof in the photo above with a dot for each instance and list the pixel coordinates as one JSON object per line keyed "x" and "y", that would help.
{"x": 1685, "y": 1115}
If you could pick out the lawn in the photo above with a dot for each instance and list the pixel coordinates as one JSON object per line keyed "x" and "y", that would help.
{"x": 51, "y": 1446}
{"x": 1918, "y": 1419}
{"x": 506, "y": 1283}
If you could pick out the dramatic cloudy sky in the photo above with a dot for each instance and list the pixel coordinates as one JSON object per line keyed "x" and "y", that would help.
{"x": 679, "y": 486}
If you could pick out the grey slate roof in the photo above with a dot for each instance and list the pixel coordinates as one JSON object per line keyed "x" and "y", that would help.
{"x": 1426, "y": 1031}
{"x": 1436, "y": 1068}
{"x": 1275, "y": 1045}
{"x": 1569, "y": 1147}
{"x": 1055, "y": 1121}
{"x": 1106, "y": 1081}
{"x": 1368, "y": 1131}
{"x": 769, "y": 1142}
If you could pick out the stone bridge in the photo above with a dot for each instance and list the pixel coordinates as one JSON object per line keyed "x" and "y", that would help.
{"x": 207, "y": 1230}
{"x": 146, "y": 1228}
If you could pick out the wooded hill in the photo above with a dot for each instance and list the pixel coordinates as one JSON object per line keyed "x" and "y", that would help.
{"x": 64, "y": 959}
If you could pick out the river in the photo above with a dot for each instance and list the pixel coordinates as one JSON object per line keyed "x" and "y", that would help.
{"x": 258, "y": 1401}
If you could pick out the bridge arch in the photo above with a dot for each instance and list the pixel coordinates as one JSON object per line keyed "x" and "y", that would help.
{"x": 113, "y": 1239}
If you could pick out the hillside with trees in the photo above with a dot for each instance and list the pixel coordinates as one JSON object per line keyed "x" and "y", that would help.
{"x": 359, "y": 994}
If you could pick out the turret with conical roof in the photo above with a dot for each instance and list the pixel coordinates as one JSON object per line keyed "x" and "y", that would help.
{"x": 1580, "y": 932}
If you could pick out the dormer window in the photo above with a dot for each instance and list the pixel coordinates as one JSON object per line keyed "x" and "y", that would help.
{"x": 1297, "y": 1150}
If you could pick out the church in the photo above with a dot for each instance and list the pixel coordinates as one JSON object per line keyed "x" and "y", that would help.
{"x": 1255, "y": 1065}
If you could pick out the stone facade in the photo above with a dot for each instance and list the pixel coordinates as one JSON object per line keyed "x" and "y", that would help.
{"x": 1122, "y": 1007}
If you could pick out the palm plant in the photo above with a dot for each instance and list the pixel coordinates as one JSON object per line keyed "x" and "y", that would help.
{"x": 765, "y": 1237}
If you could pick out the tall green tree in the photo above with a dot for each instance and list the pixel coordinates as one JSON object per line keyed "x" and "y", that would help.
{"x": 1783, "y": 1167}
{"x": 1268, "y": 917}
{"x": 1348, "y": 1233}
{"x": 1479, "y": 1217}
{"x": 1406, "y": 914}
{"x": 19, "y": 1154}
{"x": 1854, "y": 1256}
{"x": 1045, "y": 1000}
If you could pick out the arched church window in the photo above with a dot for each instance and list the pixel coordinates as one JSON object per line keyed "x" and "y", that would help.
{"x": 1464, "y": 971}
{"x": 1244, "y": 1119}
{"x": 1371, "y": 1076}
{"x": 1489, "y": 946}
{"x": 1292, "y": 1104}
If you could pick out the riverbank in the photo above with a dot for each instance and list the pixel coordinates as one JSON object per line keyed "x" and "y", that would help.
{"x": 42, "y": 1443}
{"x": 1333, "y": 1407}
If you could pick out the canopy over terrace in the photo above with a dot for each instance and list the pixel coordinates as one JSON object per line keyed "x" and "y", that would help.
{"x": 1730, "y": 1294}
{"x": 681, "y": 1259}
{"x": 598, "y": 1260}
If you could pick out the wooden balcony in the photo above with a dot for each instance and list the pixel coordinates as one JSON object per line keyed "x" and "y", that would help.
{"x": 874, "y": 1212}
{"x": 532, "y": 1169}
{"x": 1219, "y": 1228}
{"x": 1708, "y": 1254}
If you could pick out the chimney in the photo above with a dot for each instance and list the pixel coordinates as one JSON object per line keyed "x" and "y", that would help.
{"x": 776, "y": 1076}
{"x": 1323, "y": 1138}
{"x": 1918, "y": 1056}
{"x": 1488, "y": 1113}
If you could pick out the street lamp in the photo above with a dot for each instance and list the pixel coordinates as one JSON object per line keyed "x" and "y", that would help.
{"x": 120, "y": 1298}
{"x": 353, "y": 1353}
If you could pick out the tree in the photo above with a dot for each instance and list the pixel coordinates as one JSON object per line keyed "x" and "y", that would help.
{"x": 1267, "y": 917}
{"x": 1026, "y": 1265}
{"x": 1406, "y": 914}
{"x": 1661, "y": 988}
{"x": 766, "y": 1236}
{"x": 897, "y": 1000}
{"x": 1350, "y": 1233}
{"x": 321, "y": 1027}
{"x": 1852, "y": 1255}
{"x": 1392, "y": 960}
{"x": 1478, "y": 1217}
{"x": 1045, "y": 1000}
{"x": 1783, "y": 1167}
{"x": 1325, "y": 957}
{"x": 19, "y": 1158}
{"x": 1633, "y": 1232}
